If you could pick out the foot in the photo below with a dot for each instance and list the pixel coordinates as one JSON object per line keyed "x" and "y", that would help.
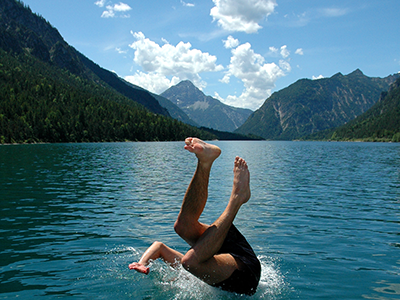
{"x": 206, "y": 153}
{"x": 241, "y": 181}
{"x": 139, "y": 267}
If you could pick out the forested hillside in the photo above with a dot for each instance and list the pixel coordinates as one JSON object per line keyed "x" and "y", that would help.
{"x": 380, "y": 123}
{"x": 49, "y": 92}
{"x": 310, "y": 106}
{"x": 42, "y": 103}
{"x": 22, "y": 31}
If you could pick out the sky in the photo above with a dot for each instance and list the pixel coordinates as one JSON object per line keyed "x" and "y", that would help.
{"x": 238, "y": 51}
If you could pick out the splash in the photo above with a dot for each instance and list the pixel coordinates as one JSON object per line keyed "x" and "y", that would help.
{"x": 272, "y": 284}
{"x": 183, "y": 285}
{"x": 165, "y": 282}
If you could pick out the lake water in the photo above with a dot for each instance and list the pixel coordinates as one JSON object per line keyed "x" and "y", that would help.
{"x": 324, "y": 219}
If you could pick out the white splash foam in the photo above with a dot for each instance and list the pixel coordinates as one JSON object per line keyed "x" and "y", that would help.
{"x": 272, "y": 282}
{"x": 186, "y": 286}
{"x": 182, "y": 285}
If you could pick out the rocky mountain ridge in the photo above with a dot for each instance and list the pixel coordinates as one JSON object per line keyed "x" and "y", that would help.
{"x": 380, "y": 123}
{"x": 206, "y": 110}
{"x": 309, "y": 106}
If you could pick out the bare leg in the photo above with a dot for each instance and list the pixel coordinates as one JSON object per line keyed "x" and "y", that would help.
{"x": 155, "y": 251}
{"x": 194, "y": 201}
{"x": 201, "y": 260}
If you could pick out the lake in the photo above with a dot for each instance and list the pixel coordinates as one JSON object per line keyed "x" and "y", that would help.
{"x": 324, "y": 219}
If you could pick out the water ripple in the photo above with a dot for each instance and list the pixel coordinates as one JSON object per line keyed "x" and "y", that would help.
{"x": 323, "y": 218}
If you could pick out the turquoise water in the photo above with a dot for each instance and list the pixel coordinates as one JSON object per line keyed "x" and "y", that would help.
{"x": 324, "y": 219}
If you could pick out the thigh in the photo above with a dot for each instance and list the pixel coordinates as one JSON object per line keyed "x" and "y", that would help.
{"x": 192, "y": 232}
{"x": 217, "y": 269}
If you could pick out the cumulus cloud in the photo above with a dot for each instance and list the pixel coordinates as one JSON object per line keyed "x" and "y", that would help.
{"x": 230, "y": 42}
{"x": 318, "y": 77}
{"x": 273, "y": 50}
{"x": 299, "y": 51}
{"x": 258, "y": 77}
{"x": 285, "y": 65}
{"x": 284, "y": 51}
{"x": 153, "y": 82}
{"x": 241, "y": 15}
{"x": 100, "y": 3}
{"x": 115, "y": 10}
{"x": 160, "y": 63}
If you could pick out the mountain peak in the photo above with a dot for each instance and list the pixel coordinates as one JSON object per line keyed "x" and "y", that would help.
{"x": 205, "y": 110}
{"x": 187, "y": 84}
{"x": 306, "y": 107}
{"x": 356, "y": 72}
{"x": 185, "y": 93}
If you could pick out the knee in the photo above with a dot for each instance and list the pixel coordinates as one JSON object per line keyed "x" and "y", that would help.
{"x": 189, "y": 261}
{"x": 157, "y": 245}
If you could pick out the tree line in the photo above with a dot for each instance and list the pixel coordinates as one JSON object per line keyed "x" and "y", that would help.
{"x": 43, "y": 103}
{"x": 381, "y": 123}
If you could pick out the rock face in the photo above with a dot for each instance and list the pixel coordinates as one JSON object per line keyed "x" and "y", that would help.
{"x": 205, "y": 110}
{"x": 380, "y": 123}
{"x": 309, "y": 106}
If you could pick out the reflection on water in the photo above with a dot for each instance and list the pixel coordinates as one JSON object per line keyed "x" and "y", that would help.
{"x": 323, "y": 218}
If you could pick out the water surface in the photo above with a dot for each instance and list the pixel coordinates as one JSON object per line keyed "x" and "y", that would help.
{"x": 323, "y": 219}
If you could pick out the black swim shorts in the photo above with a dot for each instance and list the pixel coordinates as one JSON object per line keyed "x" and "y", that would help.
{"x": 243, "y": 281}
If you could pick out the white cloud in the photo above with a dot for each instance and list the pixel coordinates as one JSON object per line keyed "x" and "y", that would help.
{"x": 159, "y": 63}
{"x": 273, "y": 50}
{"x": 111, "y": 11}
{"x": 153, "y": 82}
{"x": 241, "y": 15}
{"x": 121, "y": 7}
{"x": 285, "y": 65}
{"x": 100, "y": 3}
{"x": 187, "y": 4}
{"x": 257, "y": 76}
{"x": 285, "y": 52}
{"x": 299, "y": 51}
{"x": 120, "y": 51}
{"x": 230, "y": 42}
{"x": 108, "y": 14}
{"x": 318, "y": 77}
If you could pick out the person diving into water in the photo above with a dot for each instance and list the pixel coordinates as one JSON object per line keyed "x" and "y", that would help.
{"x": 219, "y": 253}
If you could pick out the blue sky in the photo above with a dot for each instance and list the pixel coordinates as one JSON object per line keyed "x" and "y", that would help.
{"x": 239, "y": 51}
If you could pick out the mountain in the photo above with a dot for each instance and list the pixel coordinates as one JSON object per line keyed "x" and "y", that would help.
{"x": 173, "y": 110}
{"x": 310, "y": 106}
{"x": 205, "y": 110}
{"x": 40, "y": 102}
{"x": 380, "y": 123}
{"x": 22, "y": 31}
{"x": 49, "y": 92}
